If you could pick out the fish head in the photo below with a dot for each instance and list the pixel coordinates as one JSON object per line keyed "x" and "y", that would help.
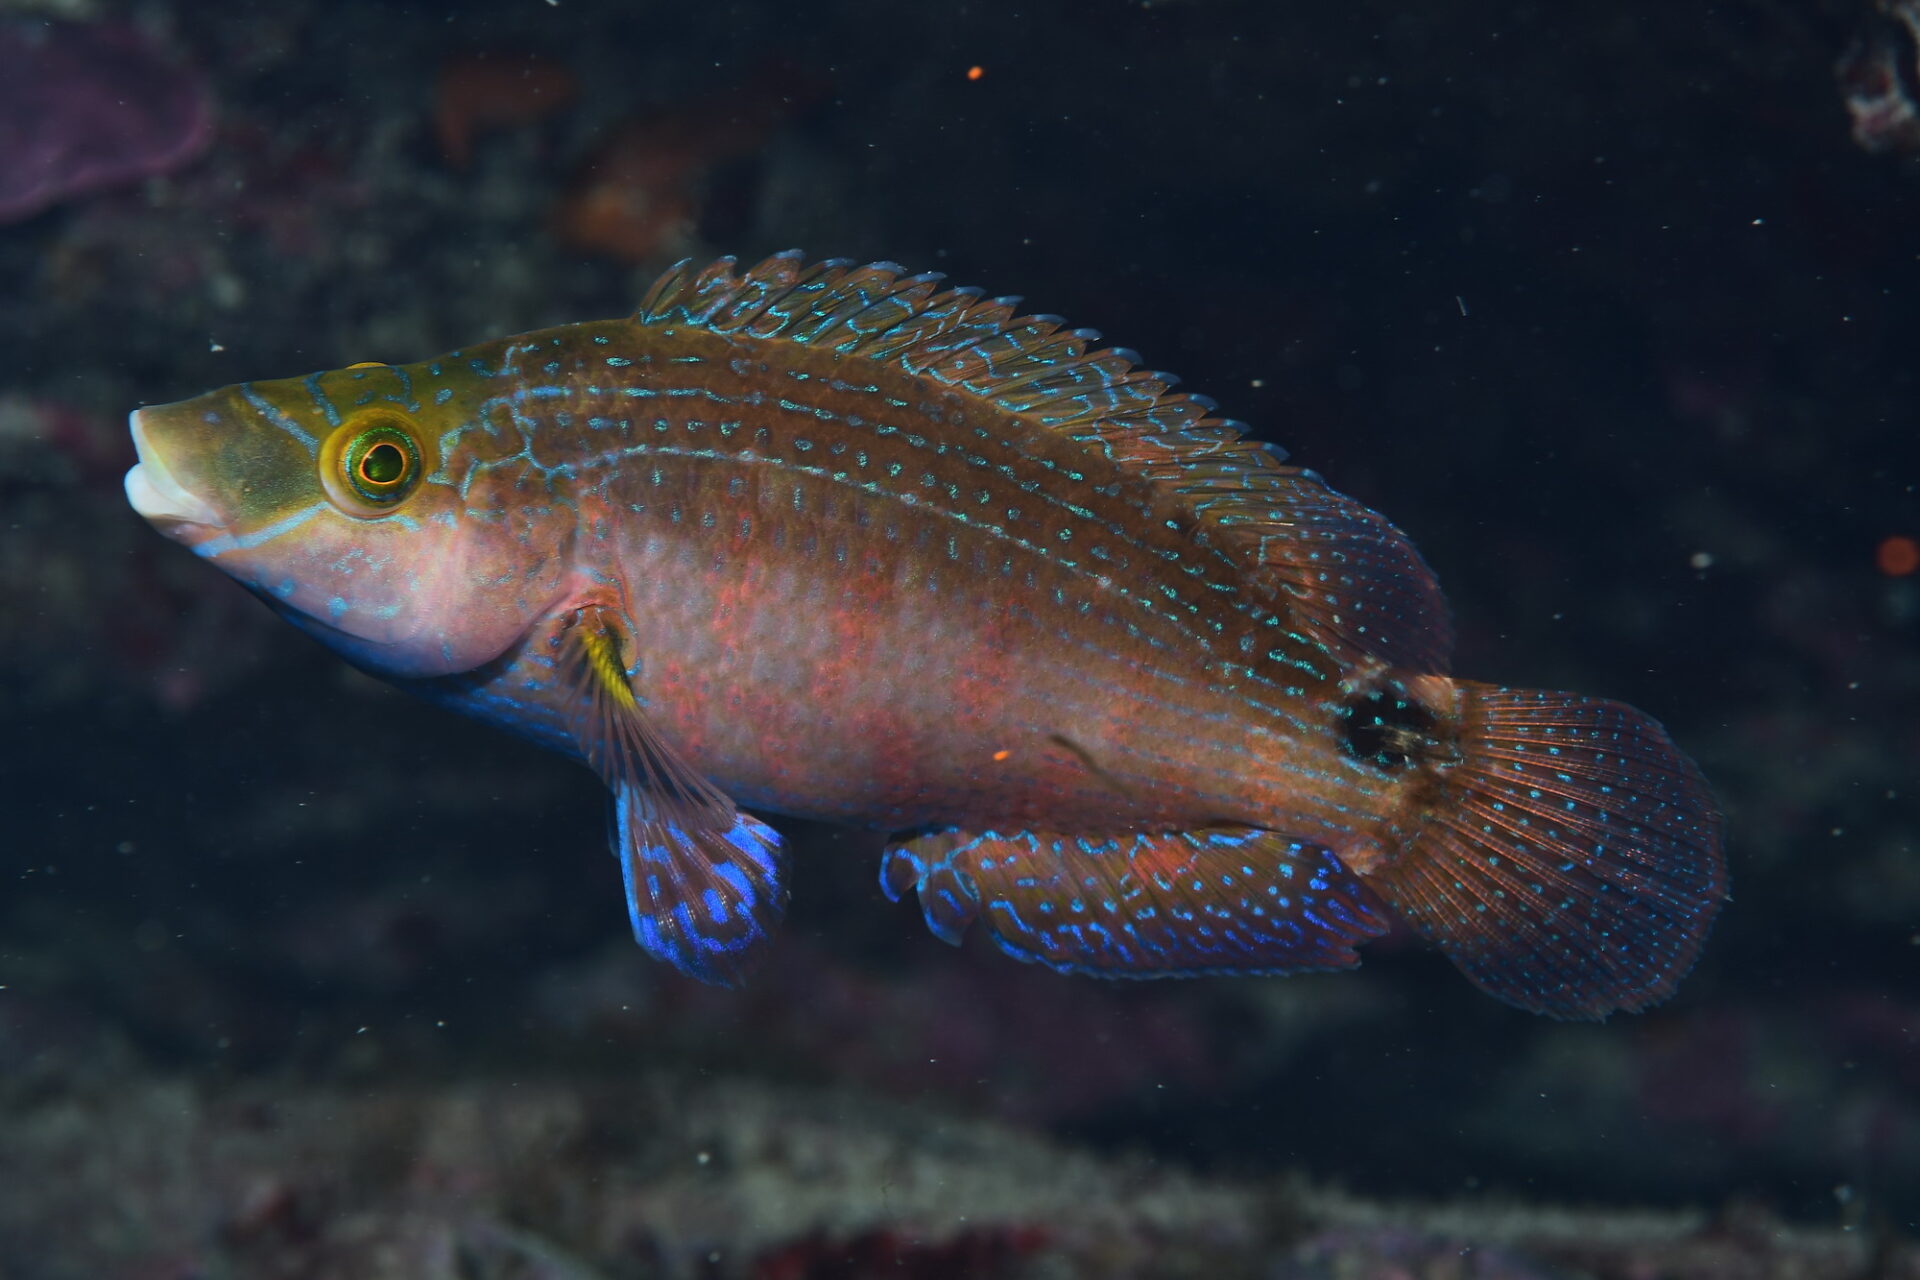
{"x": 349, "y": 504}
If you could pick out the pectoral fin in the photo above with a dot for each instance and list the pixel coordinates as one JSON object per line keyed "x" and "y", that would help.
{"x": 705, "y": 883}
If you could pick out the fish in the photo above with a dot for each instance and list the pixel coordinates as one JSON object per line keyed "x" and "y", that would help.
{"x": 1121, "y": 687}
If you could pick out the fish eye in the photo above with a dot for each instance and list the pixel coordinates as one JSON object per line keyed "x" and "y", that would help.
{"x": 373, "y": 466}
{"x": 381, "y": 467}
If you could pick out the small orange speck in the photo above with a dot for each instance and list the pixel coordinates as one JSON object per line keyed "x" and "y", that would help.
{"x": 974, "y": 73}
{"x": 1898, "y": 556}
{"x": 1001, "y": 755}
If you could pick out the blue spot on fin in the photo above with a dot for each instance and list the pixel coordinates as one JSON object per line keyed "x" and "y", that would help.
{"x": 934, "y": 865}
{"x": 702, "y": 900}
{"x": 1147, "y": 905}
{"x": 1572, "y": 861}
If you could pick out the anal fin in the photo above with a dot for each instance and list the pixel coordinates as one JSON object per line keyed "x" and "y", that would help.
{"x": 1146, "y": 905}
{"x": 705, "y": 883}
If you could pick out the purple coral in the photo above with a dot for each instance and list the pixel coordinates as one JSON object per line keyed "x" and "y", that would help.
{"x": 89, "y": 106}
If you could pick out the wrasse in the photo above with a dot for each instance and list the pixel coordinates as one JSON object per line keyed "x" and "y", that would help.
{"x": 836, "y": 542}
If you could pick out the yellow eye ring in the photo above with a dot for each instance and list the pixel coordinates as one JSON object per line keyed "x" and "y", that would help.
{"x": 370, "y": 467}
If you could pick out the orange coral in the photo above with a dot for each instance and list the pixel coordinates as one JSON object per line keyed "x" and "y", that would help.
{"x": 635, "y": 192}
{"x": 642, "y": 187}
{"x": 480, "y": 92}
{"x": 1898, "y": 556}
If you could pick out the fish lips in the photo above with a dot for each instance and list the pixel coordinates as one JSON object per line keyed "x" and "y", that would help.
{"x": 157, "y": 495}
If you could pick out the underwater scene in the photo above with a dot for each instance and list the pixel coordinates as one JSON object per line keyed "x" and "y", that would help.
{"x": 1193, "y": 638}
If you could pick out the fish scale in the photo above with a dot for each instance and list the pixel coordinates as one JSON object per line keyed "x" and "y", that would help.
{"x": 1129, "y": 695}
{"x": 1028, "y": 535}
{"x": 582, "y": 400}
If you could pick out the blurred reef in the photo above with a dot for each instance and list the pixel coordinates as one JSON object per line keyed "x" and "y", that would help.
{"x": 1605, "y": 305}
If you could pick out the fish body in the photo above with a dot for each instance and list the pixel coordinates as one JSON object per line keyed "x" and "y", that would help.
{"x": 924, "y": 600}
{"x": 833, "y": 542}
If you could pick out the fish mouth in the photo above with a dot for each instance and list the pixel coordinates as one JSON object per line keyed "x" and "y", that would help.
{"x": 153, "y": 491}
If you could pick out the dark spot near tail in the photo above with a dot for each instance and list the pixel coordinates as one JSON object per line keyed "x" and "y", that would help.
{"x": 1387, "y": 728}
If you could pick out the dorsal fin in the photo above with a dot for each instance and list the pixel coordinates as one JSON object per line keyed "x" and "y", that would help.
{"x": 1354, "y": 576}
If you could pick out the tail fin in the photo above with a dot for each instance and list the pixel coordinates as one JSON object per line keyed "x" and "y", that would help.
{"x": 1571, "y": 861}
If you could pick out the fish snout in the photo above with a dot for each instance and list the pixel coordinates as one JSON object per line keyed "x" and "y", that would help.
{"x": 153, "y": 490}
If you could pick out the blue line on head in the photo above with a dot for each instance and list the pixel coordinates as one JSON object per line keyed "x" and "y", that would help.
{"x": 246, "y": 541}
{"x": 272, "y": 413}
{"x": 326, "y": 406}
{"x": 411, "y": 401}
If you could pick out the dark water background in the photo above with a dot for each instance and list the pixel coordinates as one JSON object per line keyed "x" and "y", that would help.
{"x": 1601, "y": 304}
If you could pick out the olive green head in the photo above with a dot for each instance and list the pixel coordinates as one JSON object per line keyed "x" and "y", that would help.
{"x": 377, "y": 506}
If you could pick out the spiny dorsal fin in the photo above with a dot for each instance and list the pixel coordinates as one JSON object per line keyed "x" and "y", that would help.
{"x": 1329, "y": 558}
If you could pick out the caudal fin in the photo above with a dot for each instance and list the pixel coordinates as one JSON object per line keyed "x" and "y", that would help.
{"x": 1571, "y": 863}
